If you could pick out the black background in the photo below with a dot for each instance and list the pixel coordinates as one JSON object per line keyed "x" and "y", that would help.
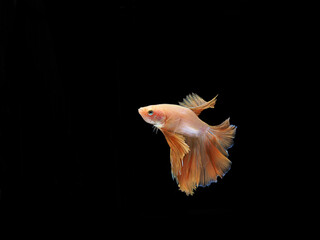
{"x": 74, "y": 74}
{"x": 172, "y": 52}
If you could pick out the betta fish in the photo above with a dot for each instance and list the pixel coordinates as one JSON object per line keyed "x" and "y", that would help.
{"x": 198, "y": 151}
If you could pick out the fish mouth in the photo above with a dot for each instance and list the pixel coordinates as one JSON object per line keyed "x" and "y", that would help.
{"x": 142, "y": 112}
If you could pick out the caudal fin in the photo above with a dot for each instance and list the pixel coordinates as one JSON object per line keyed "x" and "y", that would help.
{"x": 207, "y": 158}
{"x": 224, "y": 133}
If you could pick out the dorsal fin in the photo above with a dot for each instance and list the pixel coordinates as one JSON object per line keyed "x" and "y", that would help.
{"x": 197, "y": 104}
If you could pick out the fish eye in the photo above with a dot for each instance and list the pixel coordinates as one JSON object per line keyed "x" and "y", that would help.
{"x": 150, "y": 112}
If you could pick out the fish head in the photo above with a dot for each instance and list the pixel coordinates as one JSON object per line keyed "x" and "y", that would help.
{"x": 153, "y": 114}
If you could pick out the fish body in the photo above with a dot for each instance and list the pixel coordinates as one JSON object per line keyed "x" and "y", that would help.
{"x": 180, "y": 120}
{"x": 198, "y": 151}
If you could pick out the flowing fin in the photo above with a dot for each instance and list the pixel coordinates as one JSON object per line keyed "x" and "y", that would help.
{"x": 207, "y": 158}
{"x": 178, "y": 149}
{"x": 197, "y": 104}
{"x": 224, "y": 133}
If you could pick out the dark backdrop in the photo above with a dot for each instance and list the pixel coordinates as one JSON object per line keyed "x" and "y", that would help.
{"x": 54, "y": 77}
{"x": 168, "y": 52}
{"x": 74, "y": 74}
{"x": 250, "y": 54}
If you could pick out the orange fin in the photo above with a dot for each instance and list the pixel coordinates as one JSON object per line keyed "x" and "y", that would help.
{"x": 224, "y": 133}
{"x": 178, "y": 149}
{"x": 207, "y": 158}
{"x": 197, "y": 104}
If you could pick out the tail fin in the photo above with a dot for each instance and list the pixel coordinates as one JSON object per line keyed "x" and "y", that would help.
{"x": 207, "y": 158}
{"x": 225, "y": 134}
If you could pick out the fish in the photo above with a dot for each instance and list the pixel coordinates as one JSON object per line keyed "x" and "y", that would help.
{"x": 198, "y": 151}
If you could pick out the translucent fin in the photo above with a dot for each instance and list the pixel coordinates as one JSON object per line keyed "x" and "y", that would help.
{"x": 207, "y": 158}
{"x": 178, "y": 149}
{"x": 224, "y": 133}
{"x": 197, "y": 104}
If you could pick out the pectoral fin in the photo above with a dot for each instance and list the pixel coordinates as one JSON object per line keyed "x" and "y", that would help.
{"x": 178, "y": 149}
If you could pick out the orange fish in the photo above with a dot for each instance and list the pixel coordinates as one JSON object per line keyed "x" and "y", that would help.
{"x": 198, "y": 152}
